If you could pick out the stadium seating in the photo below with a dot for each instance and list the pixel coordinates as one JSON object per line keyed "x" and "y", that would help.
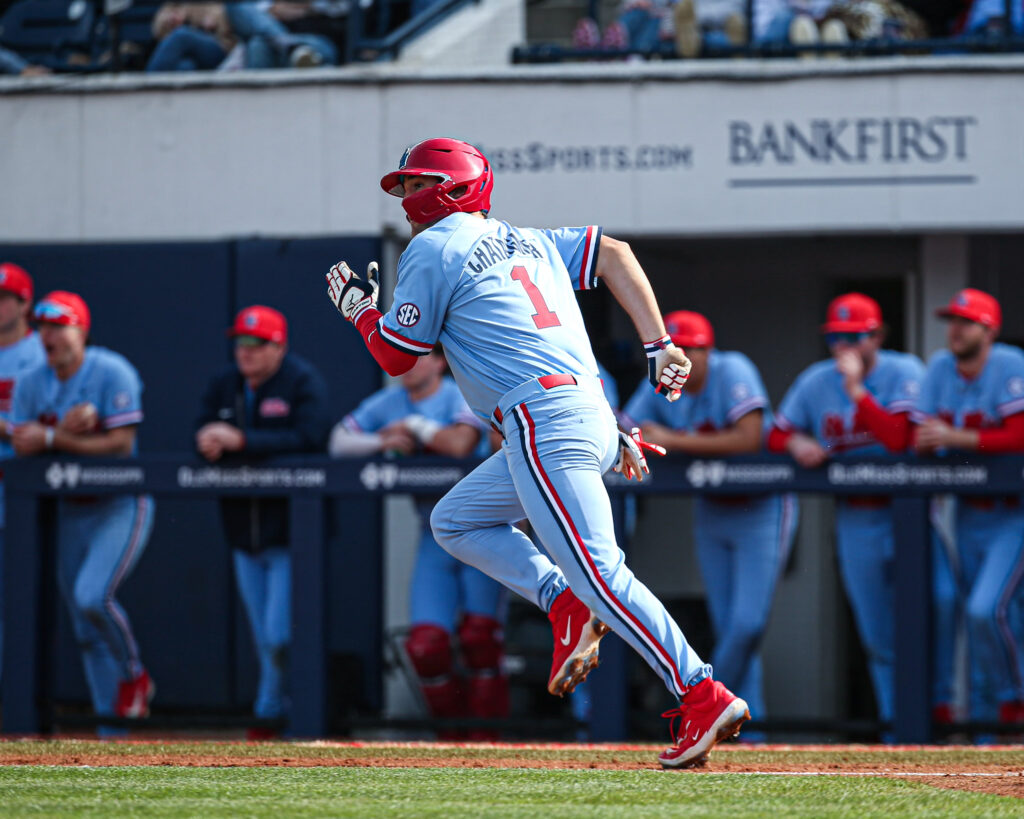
{"x": 55, "y": 33}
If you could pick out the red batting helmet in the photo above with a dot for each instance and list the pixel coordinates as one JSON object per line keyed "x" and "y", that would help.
{"x": 456, "y": 164}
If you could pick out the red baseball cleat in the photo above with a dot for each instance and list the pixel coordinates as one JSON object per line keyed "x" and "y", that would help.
{"x": 577, "y": 633}
{"x": 134, "y": 696}
{"x": 708, "y": 714}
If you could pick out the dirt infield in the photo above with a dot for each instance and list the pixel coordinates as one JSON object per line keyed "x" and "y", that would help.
{"x": 995, "y": 770}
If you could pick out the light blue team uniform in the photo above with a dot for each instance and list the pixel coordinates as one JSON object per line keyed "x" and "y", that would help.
{"x": 501, "y": 300}
{"x": 742, "y": 543}
{"x": 989, "y": 532}
{"x": 442, "y": 587}
{"x": 15, "y": 359}
{"x": 99, "y": 540}
{"x": 818, "y": 406}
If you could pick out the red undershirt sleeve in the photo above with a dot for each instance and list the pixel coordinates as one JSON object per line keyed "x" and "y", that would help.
{"x": 1006, "y": 438}
{"x": 777, "y": 439}
{"x": 393, "y": 360}
{"x": 891, "y": 429}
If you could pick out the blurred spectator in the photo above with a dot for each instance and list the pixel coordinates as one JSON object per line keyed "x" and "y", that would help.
{"x": 805, "y": 22}
{"x": 269, "y": 402}
{"x": 87, "y": 401}
{"x": 972, "y": 400}
{"x": 858, "y": 400}
{"x": 223, "y": 36}
{"x": 742, "y": 542}
{"x": 20, "y": 351}
{"x": 327, "y": 18}
{"x": 988, "y": 17}
{"x": 13, "y": 63}
{"x": 709, "y": 22}
{"x": 640, "y": 26}
{"x": 456, "y": 641}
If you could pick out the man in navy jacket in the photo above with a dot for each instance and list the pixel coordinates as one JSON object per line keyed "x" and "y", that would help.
{"x": 270, "y": 402}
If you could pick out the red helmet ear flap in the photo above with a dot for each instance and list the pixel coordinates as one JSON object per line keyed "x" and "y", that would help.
{"x": 431, "y": 204}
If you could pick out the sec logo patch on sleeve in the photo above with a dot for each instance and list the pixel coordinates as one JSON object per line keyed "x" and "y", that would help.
{"x": 408, "y": 314}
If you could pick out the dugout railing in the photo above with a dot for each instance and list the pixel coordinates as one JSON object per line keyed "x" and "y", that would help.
{"x": 32, "y": 484}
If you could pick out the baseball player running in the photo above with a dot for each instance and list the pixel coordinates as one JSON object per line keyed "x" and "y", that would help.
{"x": 20, "y": 351}
{"x": 447, "y": 598}
{"x": 972, "y": 399}
{"x": 88, "y": 401}
{"x": 500, "y": 300}
{"x": 742, "y": 542}
{"x": 858, "y": 400}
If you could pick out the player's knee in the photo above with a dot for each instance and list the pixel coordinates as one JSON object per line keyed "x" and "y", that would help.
{"x": 441, "y": 523}
{"x": 90, "y": 601}
{"x": 481, "y": 642}
{"x": 430, "y": 650}
{"x": 446, "y": 527}
{"x": 980, "y": 613}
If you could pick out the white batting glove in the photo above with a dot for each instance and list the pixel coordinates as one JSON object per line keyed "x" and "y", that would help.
{"x": 351, "y": 295}
{"x": 667, "y": 368}
{"x": 423, "y": 428}
{"x": 632, "y": 462}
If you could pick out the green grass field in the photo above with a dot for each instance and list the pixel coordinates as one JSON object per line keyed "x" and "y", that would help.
{"x": 111, "y": 785}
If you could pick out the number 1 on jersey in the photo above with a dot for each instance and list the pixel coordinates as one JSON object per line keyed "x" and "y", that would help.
{"x": 544, "y": 317}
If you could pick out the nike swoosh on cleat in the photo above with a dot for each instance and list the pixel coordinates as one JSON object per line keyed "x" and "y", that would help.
{"x": 568, "y": 629}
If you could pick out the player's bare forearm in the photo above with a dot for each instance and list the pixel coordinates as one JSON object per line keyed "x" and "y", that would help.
{"x": 116, "y": 442}
{"x": 624, "y": 276}
{"x": 740, "y": 439}
{"x": 456, "y": 440}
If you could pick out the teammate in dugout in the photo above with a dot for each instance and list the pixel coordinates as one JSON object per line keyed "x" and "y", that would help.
{"x": 20, "y": 351}
{"x": 500, "y": 300}
{"x": 972, "y": 400}
{"x": 742, "y": 542}
{"x": 859, "y": 400}
{"x": 269, "y": 402}
{"x": 450, "y": 603}
{"x": 88, "y": 401}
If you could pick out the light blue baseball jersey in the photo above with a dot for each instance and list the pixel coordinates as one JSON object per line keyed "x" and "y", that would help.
{"x": 818, "y": 405}
{"x": 500, "y": 298}
{"x": 106, "y": 379}
{"x": 446, "y": 406}
{"x": 975, "y": 403}
{"x": 733, "y": 388}
{"x": 15, "y": 360}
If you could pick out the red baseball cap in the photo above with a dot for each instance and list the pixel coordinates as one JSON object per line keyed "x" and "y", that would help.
{"x": 63, "y": 308}
{"x": 975, "y": 305}
{"x": 260, "y": 322}
{"x": 15, "y": 279}
{"x": 852, "y": 313}
{"x": 689, "y": 329}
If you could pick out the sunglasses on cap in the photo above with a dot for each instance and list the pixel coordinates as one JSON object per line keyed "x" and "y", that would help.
{"x": 51, "y": 311}
{"x": 846, "y": 338}
{"x": 250, "y": 341}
